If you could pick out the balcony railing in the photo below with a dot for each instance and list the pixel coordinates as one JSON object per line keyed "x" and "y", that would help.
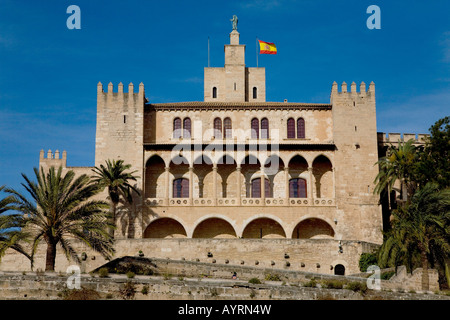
{"x": 232, "y": 202}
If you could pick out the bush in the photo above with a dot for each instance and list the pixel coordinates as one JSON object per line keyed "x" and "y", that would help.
{"x": 272, "y": 277}
{"x": 103, "y": 273}
{"x": 357, "y": 286}
{"x": 333, "y": 284}
{"x": 145, "y": 290}
{"x": 366, "y": 260}
{"x": 80, "y": 294}
{"x": 254, "y": 281}
{"x": 310, "y": 284}
{"x": 128, "y": 291}
{"x": 387, "y": 275}
{"x": 130, "y": 275}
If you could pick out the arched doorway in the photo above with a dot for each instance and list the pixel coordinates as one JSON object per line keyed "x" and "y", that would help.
{"x": 339, "y": 270}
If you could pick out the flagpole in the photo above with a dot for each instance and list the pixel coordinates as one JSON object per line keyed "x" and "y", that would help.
{"x": 257, "y": 51}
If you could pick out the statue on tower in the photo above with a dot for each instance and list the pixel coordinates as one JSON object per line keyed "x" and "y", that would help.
{"x": 234, "y": 22}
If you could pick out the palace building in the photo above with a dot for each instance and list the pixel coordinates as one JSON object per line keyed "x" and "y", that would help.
{"x": 241, "y": 180}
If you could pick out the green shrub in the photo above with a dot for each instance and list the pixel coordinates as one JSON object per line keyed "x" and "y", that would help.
{"x": 272, "y": 277}
{"x": 357, "y": 286}
{"x": 80, "y": 294}
{"x": 130, "y": 274}
{"x": 310, "y": 284}
{"x": 145, "y": 290}
{"x": 103, "y": 272}
{"x": 333, "y": 284}
{"x": 254, "y": 281}
{"x": 366, "y": 260}
{"x": 128, "y": 291}
{"x": 387, "y": 275}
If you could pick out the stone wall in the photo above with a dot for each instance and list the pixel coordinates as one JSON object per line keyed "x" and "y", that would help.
{"x": 32, "y": 286}
{"x": 317, "y": 255}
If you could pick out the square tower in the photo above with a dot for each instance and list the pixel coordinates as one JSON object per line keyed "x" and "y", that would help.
{"x": 235, "y": 82}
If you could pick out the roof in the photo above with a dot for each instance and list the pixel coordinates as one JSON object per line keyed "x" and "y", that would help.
{"x": 202, "y": 105}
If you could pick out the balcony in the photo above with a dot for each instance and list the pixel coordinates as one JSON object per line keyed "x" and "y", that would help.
{"x": 244, "y": 202}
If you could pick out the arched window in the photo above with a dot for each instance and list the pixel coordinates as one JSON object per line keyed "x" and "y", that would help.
{"x": 218, "y": 128}
{"x": 214, "y": 93}
{"x": 256, "y": 188}
{"x": 227, "y": 129}
{"x": 255, "y": 93}
{"x": 297, "y": 188}
{"x": 264, "y": 128}
{"x": 186, "y": 128}
{"x": 291, "y": 128}
{"x": 181, "y": 188}
{"x": 301, "y": 128}
{"x": 255, "y": 128}
{"x": 177, "y": 128}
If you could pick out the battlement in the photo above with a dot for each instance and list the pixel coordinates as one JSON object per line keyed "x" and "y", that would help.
{"x": 353, "y": 90}
{"x": 52, "y": 159}
{"x": 120, "y": 100}
{"x": 393, "y": 138}
{"x": 119, "y": 88}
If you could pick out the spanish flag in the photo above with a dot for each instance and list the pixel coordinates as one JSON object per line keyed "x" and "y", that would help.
{"x": 267, "y": 48}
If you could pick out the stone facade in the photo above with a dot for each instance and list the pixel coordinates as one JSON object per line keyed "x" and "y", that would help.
{"x": 234, "y": 168}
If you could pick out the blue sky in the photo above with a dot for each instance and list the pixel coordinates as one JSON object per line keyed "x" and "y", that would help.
{"x": 48, "y": 73}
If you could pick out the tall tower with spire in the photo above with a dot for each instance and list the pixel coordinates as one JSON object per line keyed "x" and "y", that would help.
{"x": 235, "y": 82}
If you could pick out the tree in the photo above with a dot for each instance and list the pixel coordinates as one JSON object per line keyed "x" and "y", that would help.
{"x": 114, "y": 177}
{"x": 434, "y": 163}
{"x": 399, "y": 165}
{"x": 11, "y": 224}
{"x": 61, "y": 210}
{"x": 420, "y": 230}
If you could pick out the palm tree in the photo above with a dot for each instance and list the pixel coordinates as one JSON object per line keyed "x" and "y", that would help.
{"x": 11, "y": 233}
{"x": 420, "y": 230}
{"x": 114, "y": 177}
{"x": 398, "y": 165}
{"x": 61, "y": 211}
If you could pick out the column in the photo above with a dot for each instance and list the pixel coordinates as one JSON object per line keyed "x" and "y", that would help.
{"x": 286, "y": 180}
{"x": 238, "y": 171}
{"x": 263, "y": 186}
{"x": 310, "y": 191}
{"x": 191, "y": 184}
{"x": 166, "y": 193}
{"x": 334, "y": 183}
{"x": 215, "y": 184}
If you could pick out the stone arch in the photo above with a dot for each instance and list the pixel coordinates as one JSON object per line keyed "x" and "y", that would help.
{"x": 297, "y": 163}
{"x": 323, "y": 176}
{"x": 226, "y": 177}
{"x": 338, "y": 263}
{"x": 250, "y": 168}
{"x": 203, "y": 167}
{"x": 263, "y": 227}
{"x": 165, "y": 228}
{"x": 154, "y": 177}
{"x": 313, "y": 228}
{"x": 214, "y": 227}
{"x": 273, "y": 164}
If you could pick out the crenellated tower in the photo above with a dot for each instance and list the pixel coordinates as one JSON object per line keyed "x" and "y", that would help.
{"x": 52, "y": 159}
{"x": 120, "y": 126}
{"x": 355, "y": 137}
